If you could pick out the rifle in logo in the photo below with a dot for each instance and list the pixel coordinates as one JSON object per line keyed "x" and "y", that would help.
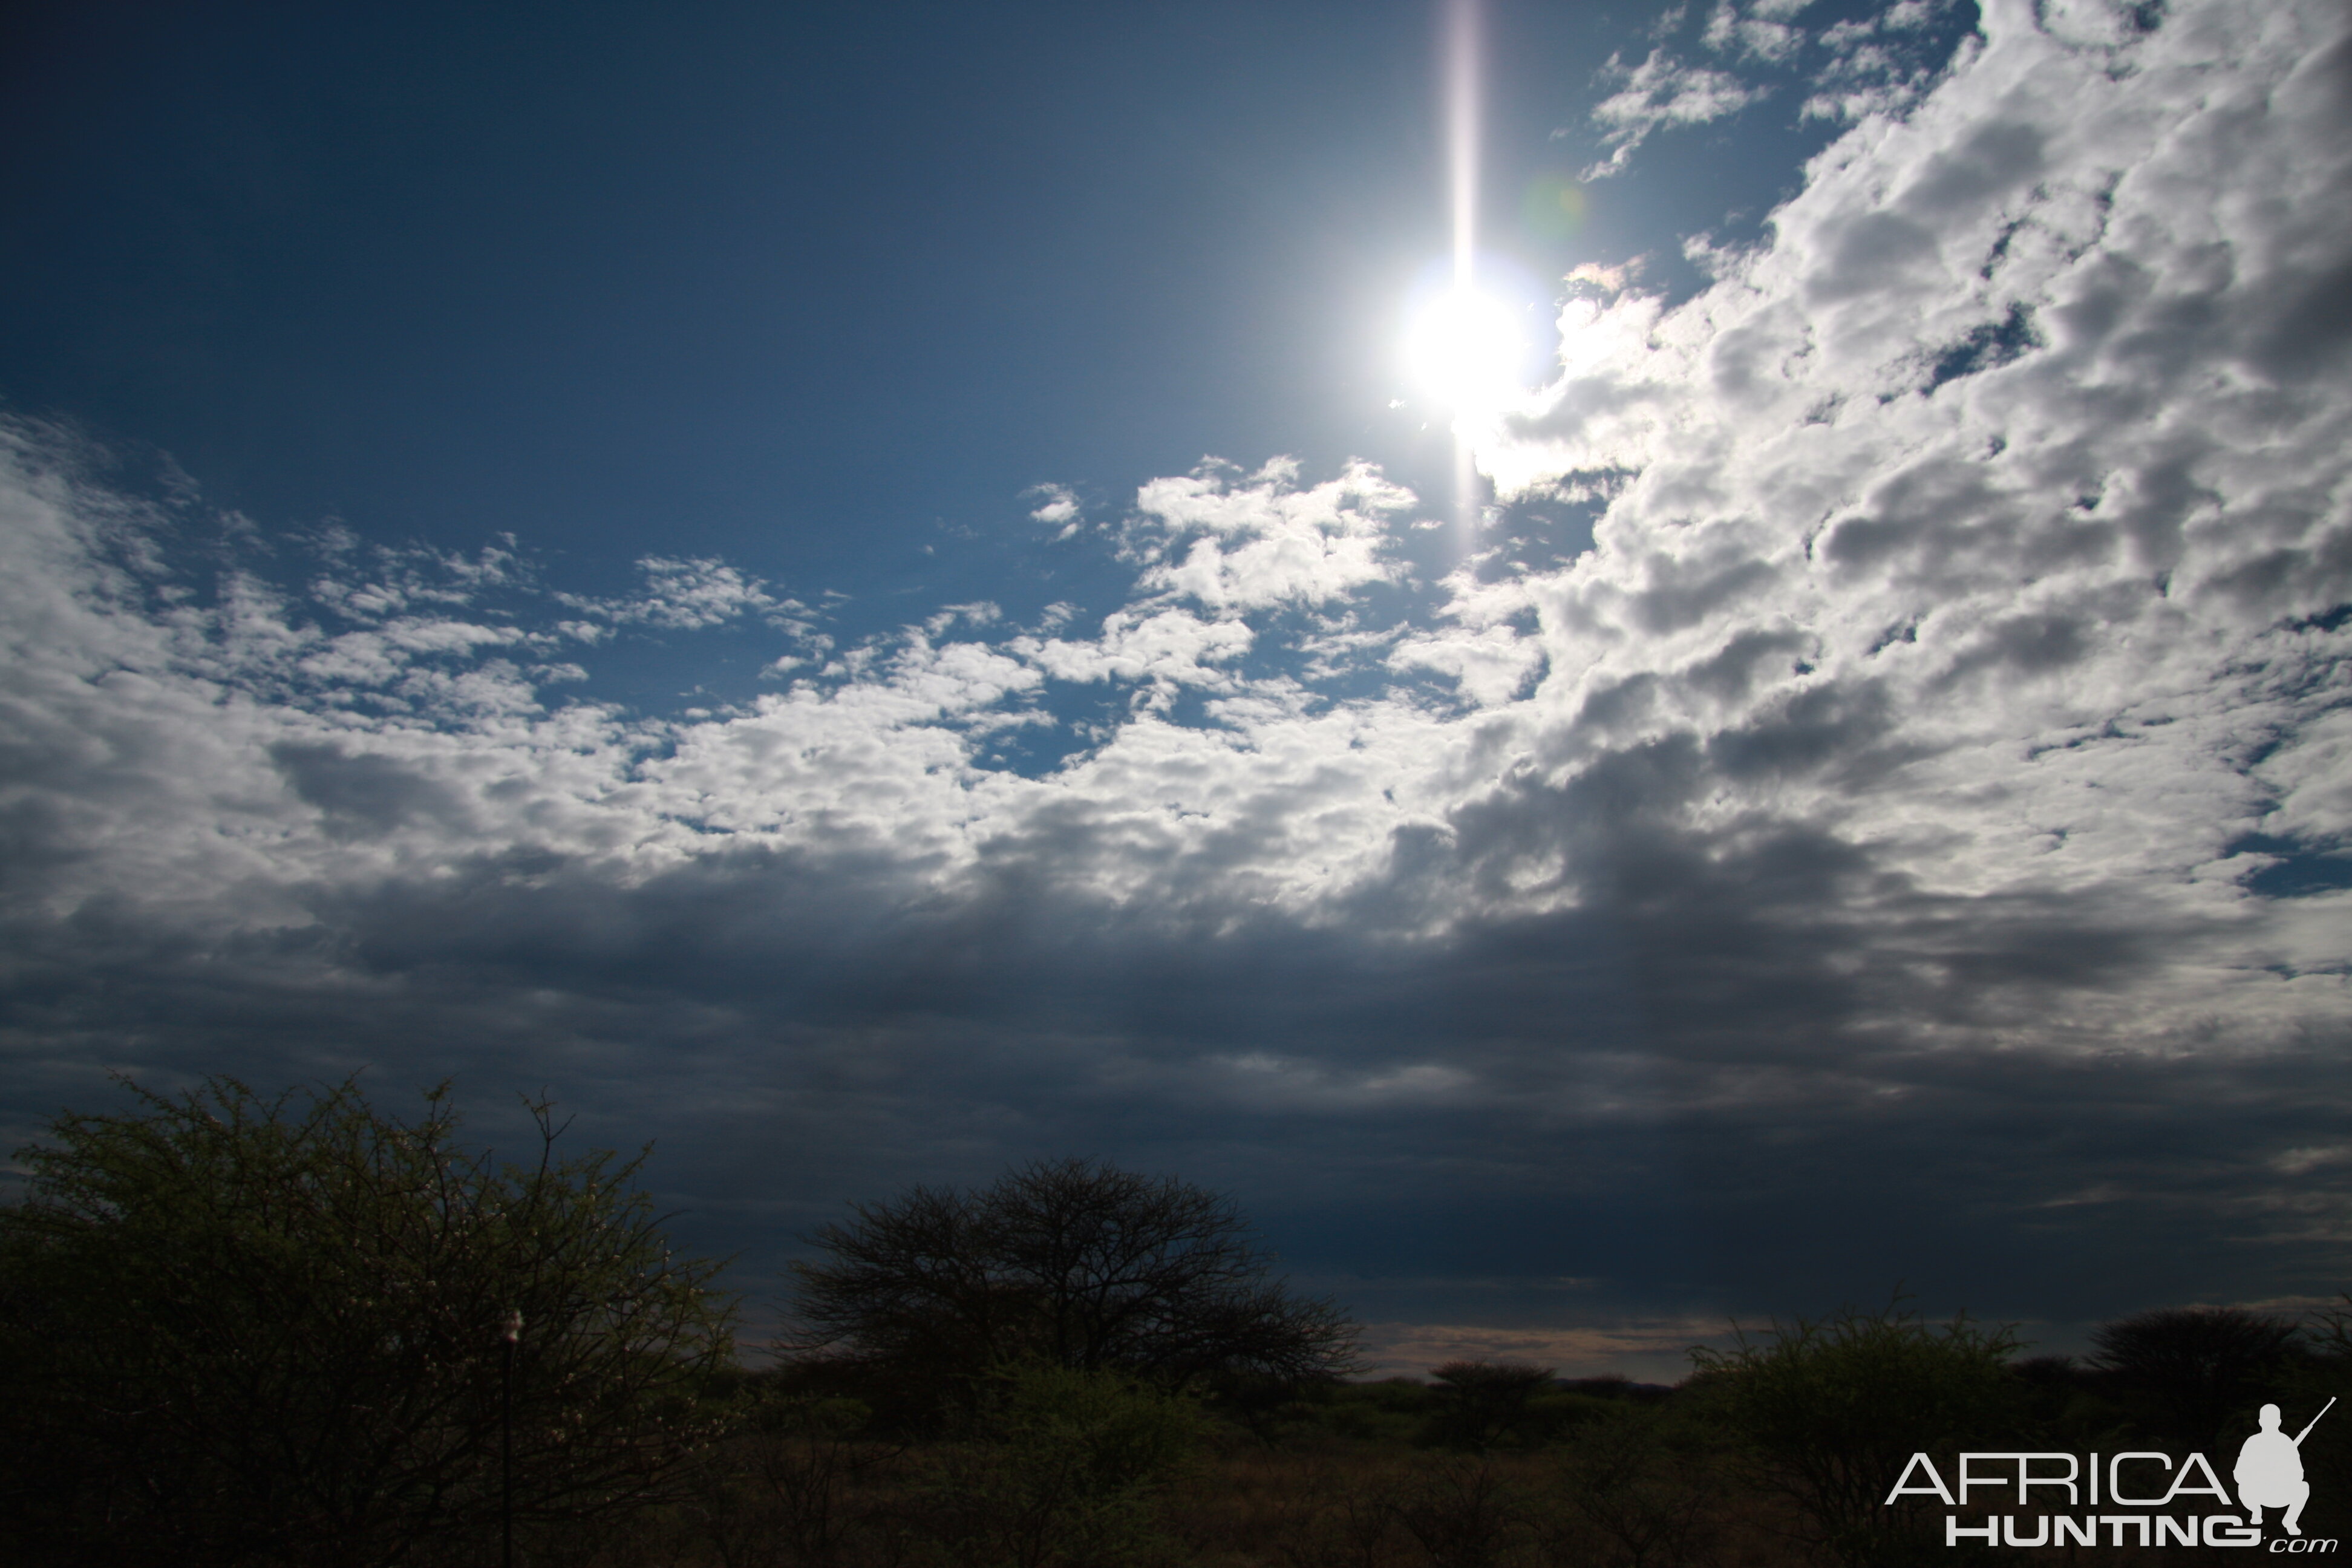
{"x": 2270, "y": 1470}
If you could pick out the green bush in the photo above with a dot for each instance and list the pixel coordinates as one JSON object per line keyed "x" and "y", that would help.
{"x": 1830, "y": 1411}
{"x": 1060, "y": 1469}
{"x": 239, "y": 1329}
{"x": 1463, "y": 1512}
{"x": 1639, "y": 1488}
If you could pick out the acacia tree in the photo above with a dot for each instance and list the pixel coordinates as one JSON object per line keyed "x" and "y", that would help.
{"x": 1482, "y": 1404}
{"x": 239, "y": 1329}
{"x": 2192, "y": 1368}
{"x": 1072, "y": 1262}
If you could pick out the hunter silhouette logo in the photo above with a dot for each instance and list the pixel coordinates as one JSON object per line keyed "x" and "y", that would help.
{"x": 2270, "y": 1472}
{"x": 2092, "y": 1492}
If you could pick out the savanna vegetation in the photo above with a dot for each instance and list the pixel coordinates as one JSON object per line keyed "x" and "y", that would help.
{"x": 240, "y": 1330}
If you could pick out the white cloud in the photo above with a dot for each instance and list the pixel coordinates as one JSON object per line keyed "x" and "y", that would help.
{"x": 2008, "y": 629}
{"x": 1965, "y": 617}
{"x": 1879, "y": 65}
{"x": 1491, "y": 666}
{"x": 1230, "y": 544}
{"x": 1659, "y": 92}
{"x": 2065, "y": 564}
{"x": 684, "y": 595}
{"x": 1168, "y": 648}
{"x": 2012, "y": 628}
{"x": 1058, "y": 508}
{"x": 1753, "y": 37}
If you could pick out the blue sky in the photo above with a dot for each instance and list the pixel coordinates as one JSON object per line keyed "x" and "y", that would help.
{"x": 868, "y": 592}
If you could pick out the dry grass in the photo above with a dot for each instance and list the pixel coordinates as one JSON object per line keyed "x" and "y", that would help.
{"x": 795, "y": 1502}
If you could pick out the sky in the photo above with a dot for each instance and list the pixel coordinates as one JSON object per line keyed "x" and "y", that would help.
{"x": 871, "y": 592}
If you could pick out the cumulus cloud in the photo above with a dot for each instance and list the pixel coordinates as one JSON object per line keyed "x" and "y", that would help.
{"x": 1973, "y": 441}
{"x": 1918, "y": 809}
{"x": 1057, "y": 508}
{"x": 1169, "y": 648}
{"x": 1232, "y": 543}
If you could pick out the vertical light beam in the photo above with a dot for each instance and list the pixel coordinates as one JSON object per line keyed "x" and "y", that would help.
{"x": 1462, "y": 135}
{"x": 1462, "y": 49}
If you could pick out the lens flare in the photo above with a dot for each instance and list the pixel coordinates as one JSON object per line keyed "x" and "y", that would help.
{"x": 1554, "y": 207}
{"x": 1457, "y": 343}
{"x": 1461, "y": 23}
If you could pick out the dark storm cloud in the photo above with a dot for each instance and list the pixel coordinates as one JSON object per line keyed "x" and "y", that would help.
{"x": 1849, "y": 868}
{"x": 363, "y": 794}
{"x": 1724, "y": 1070}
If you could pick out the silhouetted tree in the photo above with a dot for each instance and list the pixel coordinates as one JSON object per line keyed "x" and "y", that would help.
{"x": 1484, "y": 1403}
{"x": 1073, "y": 1262}
{"x": 237, "y": 1330}
{"x": 2192, "y": 1368}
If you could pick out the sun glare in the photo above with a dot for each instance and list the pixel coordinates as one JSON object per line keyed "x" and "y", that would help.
{"x": 1467, "y": 349}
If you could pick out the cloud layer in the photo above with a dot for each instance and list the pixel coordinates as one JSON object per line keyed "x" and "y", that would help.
{"x": 1912, "y": 840}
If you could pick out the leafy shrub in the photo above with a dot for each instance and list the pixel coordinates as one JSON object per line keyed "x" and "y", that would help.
{"x": 1060, "y": 1469}
{"x": 243, "y": 1329}
{"x": 1463, "y": 1514}
{"x": 1638, "y": 1490}
{"x": 1831, "y": 1410}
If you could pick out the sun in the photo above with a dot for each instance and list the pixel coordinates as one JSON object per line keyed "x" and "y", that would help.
{"x": 1466, "y": 348}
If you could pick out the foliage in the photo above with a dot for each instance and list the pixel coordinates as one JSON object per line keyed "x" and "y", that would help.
{"x": 2321, "y": 1370}
{"x": 1394, "y": 1410}
{"x": 1060, "y": 1467}
{"x": 1463, "y": 1512}
{"x": 785, "y": 1488}
{"x": 242, "y": 1330}
{"x": 1640, "y": 1492}
{"x": 1831, "y": 1409}
{"x": 1070, "y": 1262}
